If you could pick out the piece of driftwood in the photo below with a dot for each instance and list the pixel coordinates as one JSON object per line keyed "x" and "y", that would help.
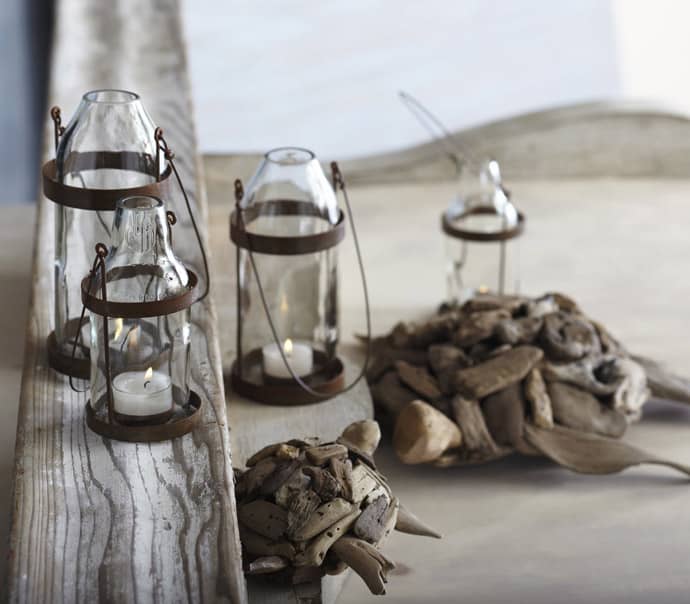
{"x": 500, "y": 368}
{"x": 598, "y": 139}
{"x": 320, "y": 534}
{"x": 422, "y": 433}
{"x": 98, "y": 520}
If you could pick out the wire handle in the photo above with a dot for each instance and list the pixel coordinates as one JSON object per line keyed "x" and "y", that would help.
{"x": 98, "y": 263}
{"x": 457, "y": 151}
{"x": 163, "y": 147}
{"x": 338, "y": 183}
{"x": 58, "y": 128}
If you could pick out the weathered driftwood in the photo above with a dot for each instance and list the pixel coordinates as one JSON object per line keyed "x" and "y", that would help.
{"x": 663, "y": 383}
{"x": 303, "y": 532}
{"x": 591, "y": 454}
{"x": 98, "y": 520}
{"x": 502, "y": 367}
{"x": 595, "y": 140}
{"x": 422, "y": 433}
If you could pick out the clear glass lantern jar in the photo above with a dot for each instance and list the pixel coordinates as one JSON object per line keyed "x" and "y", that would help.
{"x": 107, "y": 151}
{"x": 286, "y": 226}
{"x": 482, "y": 229}
{"x": 139, "y": 296}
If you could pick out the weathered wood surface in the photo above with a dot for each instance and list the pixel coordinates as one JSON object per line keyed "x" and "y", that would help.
{"x": 586, "y": 140}
{"x": 591, "y": 140}
{"x": 95, "y": 520}
{"x": 253, "y": 425}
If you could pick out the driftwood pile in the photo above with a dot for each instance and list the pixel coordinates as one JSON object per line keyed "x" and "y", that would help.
{"x": 308, "y": 508}
{"x": 505, "y": 374}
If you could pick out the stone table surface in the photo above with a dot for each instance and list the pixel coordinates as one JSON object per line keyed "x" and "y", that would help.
{"x": 519, "y": 529}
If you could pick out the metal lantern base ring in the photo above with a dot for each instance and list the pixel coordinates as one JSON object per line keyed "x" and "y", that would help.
{"x": 64, "y": 362}
{"x": 178, "y": 422}
{"x": 251, "y": 382}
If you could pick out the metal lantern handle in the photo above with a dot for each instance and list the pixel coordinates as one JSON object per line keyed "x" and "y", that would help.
{"x": 162, "y": 147}
{"x": 58, "y": 128}
{"x": 338, "y": 182}
{"x": 98, "y": 263}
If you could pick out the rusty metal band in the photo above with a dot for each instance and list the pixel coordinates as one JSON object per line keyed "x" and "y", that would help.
{"x": 449, "y": 228}
{"x": 79, "y": 161}
{"x": 101, "y": 199}
{"x": 137, "y": 310}
{"x": 173, "y": 428}
{"x": 284, "y": 246}
{"x": 328, "y": 380}
{"x": 66, "y": 363}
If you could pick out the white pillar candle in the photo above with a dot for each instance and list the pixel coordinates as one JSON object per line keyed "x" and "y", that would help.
{"x": 142, "y": 393}
{"x": 299, "y": 356}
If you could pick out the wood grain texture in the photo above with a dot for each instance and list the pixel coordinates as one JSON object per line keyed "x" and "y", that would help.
{"x": 590, "y": 140}
{"x": 97, "y": 520}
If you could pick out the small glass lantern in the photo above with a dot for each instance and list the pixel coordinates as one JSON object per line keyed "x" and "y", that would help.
{"x": 109, "y": 150}
{"x": 482, "y": 244}
{"x": 139, "y": 295}
{"x": 287, "y": 226}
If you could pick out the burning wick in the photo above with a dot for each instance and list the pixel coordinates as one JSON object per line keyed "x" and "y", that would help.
{"x": 118, "y": 329}
{"x": 287, "y": 347}
{"x": 147, "y": 377}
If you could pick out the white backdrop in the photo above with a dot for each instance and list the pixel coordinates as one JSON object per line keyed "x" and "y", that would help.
{"x": 326, "y": 74}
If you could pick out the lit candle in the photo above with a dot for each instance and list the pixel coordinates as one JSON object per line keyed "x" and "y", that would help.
{"x": 299, "y": 356}
{"x": 141, "y": 393}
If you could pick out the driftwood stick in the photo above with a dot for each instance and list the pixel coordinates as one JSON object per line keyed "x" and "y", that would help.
{"x": 591, "y": 454}
{"x": 663, "y": 383}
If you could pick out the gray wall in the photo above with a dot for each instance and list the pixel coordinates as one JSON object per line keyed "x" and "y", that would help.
{"x": 25, "y": 27}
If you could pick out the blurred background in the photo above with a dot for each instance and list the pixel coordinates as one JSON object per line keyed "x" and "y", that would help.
{"x": 325, "y": 74}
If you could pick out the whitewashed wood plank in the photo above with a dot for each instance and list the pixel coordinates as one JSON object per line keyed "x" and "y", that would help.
{"x": 96, "y": 520}
{"x": 586, "y": 140}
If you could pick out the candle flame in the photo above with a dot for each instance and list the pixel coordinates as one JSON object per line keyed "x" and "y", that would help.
{"x": 483, "y": 289}
{"x": 149, "y": 373}
{"x": 134, "y": 338}
{"x": 283, "y": 304}
{"x": 287, "y": 347}
{"x": 118, "y": 328}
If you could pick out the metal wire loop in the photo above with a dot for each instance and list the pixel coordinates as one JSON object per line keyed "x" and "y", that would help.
{"x": 162, "y": 145}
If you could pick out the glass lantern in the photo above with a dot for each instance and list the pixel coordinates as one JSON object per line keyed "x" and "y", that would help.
{"x": 286, "y": 226}
{"x": 139, "y": 295}
{"x": 109, "y": 150}
{"x": 482, "y": 231}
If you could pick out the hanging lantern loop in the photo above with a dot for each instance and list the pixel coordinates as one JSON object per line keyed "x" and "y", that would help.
{"x": 163, "y": 146}
{"x": 338, "y": 183}
{"x": 58, "y": 128}
{"x": 99, "y": 262}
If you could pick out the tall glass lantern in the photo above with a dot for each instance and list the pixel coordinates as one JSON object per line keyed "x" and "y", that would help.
{"x": 139, "y": 295}
{"x": 482, "y": 229}
{"x": 287, "y": 226}
{"x": 108, "y": 151}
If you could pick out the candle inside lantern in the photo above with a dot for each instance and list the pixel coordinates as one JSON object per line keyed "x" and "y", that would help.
{"x": 299, "y": 356}
{"x": 141, "y": 393}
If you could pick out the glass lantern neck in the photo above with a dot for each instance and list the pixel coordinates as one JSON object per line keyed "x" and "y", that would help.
{"x": 486, "y": 197}
{"x": 110, "y": 96}
{"x": 109, "y": 121}
{"x": 291, "y": 174}
{"x": 141, "y": 238}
